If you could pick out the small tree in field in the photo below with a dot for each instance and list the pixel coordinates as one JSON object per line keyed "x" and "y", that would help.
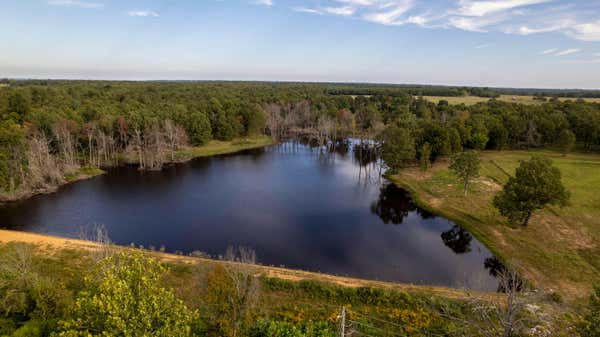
{"x": 536, "y": 184}
{"x": 590, "y": 326}
{"x": 425, "y": 157}
{"x": 566, "y": 141}
{"x": 466, "y": 166}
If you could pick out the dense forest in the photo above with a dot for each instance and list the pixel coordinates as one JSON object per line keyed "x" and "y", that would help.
{"x": 50, "y": 129}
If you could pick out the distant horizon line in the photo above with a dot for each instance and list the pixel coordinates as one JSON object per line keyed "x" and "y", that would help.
{"x": 398, "y": 84}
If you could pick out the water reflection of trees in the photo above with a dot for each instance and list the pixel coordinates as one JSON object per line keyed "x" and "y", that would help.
{"x": 393, "y": 204}
{"x": 457, "y": 239}
{"x": 494, "y": 266}
{"x": 498, "y": 270}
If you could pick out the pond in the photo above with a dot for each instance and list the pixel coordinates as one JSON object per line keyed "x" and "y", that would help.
{"x": 294, "y": 205}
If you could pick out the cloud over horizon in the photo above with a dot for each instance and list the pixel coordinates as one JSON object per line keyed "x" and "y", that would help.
{"x": 578, "y": 20}
{"x": 143, "y": 14}
{"x": 75, "y": 3}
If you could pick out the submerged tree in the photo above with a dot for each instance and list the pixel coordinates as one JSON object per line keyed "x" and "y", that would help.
{"x": 536, "y": 184}
{"x": 466, "y": 166}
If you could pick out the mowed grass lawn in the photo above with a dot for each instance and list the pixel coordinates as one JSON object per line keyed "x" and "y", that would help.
{"x": 471, "y": 100}
{"x": 559, "y": 250}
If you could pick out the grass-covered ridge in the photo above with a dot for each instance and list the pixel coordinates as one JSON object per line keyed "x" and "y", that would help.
{"x": 560, "y": 249}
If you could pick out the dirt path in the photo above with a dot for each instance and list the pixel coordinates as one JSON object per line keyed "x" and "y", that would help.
{"x": 49, "y": 243}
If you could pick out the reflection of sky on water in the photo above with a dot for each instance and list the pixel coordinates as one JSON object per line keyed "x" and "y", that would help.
{"x": 293, "y": 206}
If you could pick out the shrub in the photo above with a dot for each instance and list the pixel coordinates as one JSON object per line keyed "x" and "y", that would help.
{"x": 590, "y": 326}
{"x": 123, "y": 297}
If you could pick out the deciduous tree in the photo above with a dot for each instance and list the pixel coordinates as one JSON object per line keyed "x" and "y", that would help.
{"x": 536, "y": 184}
{"x": 466, "y": 166}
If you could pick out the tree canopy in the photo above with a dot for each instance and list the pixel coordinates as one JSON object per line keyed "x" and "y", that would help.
{"x": 536, "y": 184}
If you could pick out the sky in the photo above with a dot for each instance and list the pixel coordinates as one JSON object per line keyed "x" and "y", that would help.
{"x": 500, "y": 43}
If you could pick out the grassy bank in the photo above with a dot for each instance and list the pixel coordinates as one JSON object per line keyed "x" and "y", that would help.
{"x": 471, "y": 100}
{"x": 288, "y": 296}
{"x": 83, "y": 173}
{"x": 216, "y": 147}
{"x": 560, "y": 249}
{"x": 285, "y": 298}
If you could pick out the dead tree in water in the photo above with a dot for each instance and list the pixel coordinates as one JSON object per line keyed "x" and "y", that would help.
{"x": 175, "y": 135}
{"x": 274, "y": 120}
{"x": 88, "y": 131}
{"x": 64, "y": 132}
{"x": 155, "y": 146}
{"x": 42, "y": 167}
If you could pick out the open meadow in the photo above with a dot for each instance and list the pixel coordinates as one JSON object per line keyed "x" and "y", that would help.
{"x": 560, "y": 248}
{"x": 471, "y": 100}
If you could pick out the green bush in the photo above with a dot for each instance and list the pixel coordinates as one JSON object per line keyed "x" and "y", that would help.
{"x": 590, "y": 326}
{"x": 124, "y": 297}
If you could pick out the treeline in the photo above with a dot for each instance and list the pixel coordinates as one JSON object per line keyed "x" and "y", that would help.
{"x": 428, "y": 131}
{"x": 49, "y": 129}
{"x": 413, "y": 90}
{"x": 567, "y": 93}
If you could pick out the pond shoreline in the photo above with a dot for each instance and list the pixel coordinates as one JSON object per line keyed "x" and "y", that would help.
{"x": 196, "y": 199}
{"x": 213, "y": 148}
{"x": 50, "y": 244}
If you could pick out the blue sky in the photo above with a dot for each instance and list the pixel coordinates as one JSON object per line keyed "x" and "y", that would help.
{"x": 517, "y": 43}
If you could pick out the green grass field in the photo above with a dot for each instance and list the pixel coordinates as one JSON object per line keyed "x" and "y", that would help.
{"x": 471, "y": 100}
{"x": 559, "y": 250}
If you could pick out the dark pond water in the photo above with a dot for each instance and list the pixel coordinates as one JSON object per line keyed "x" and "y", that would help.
{"x": 294, "y": 207}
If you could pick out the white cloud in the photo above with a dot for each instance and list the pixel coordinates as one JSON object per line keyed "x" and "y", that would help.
{"x": 358, "y": 2}
{"x": 568, "y": 52}
{"x": 392, "y": 13}
{"x": 524, "y": 30}
{"x": 75, "y": 3}
{"x": 483, "y": 8}
{"x": 577, "y": 20}
{"x": 481, "y": 46}
{"x": 306, "y": 10}
{"x": 586, "y": 31}
{"x": 344, "y": 10}
{"x": 470, "y": 24}
{"x": 143, "y": 14}
{"x": 417, "y": 20}
{"x": 265, "y": 2}
{"x": 549, "y": 51}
